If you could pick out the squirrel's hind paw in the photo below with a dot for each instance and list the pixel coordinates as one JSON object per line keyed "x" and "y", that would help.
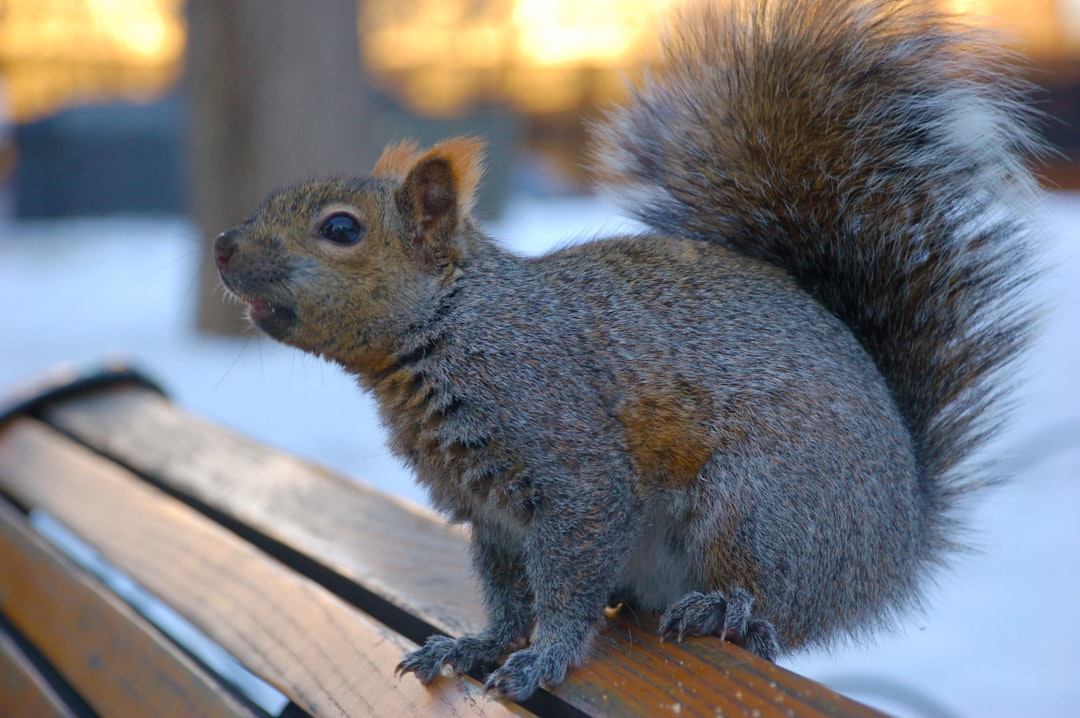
{"x": 703, "y": 614}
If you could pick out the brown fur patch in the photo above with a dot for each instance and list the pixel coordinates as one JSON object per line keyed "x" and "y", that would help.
{"x": 464, "y": 154}
{"x": 668, "y": 432}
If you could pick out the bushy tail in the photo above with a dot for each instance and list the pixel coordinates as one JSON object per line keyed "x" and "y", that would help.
{"x": 875, "y": 150}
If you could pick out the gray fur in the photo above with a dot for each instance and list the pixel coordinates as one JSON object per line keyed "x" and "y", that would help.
{"x": 757, "y": 416}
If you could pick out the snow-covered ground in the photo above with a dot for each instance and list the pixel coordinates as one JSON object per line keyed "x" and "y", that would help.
{"x": 1001, "y": 636}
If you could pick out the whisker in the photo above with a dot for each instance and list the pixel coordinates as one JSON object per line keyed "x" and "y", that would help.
{"x": 247, "y": 341}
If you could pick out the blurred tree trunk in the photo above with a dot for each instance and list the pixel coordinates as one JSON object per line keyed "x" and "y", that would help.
{"x": 277, "y": 96}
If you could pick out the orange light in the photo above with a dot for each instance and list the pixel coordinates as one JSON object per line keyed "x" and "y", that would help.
{"x": 56, "y": 52}
{"x": 542, "y": 55}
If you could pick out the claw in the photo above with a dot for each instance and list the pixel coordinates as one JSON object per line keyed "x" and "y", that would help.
{"x": 493, "y": 689}
{"x": 728, "y": 617}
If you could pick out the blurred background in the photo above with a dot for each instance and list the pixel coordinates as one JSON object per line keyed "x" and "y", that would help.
{"x": 133, "y": 131}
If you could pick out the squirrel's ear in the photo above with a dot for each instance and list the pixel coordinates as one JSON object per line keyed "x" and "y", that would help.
{"x": 438, "y": 189}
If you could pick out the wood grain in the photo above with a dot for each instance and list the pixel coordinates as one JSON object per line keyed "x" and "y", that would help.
{"x": 323, "y": 654}
{"x": 701, "y": 676}
{"x": 117, "y": 661}
{"x": 417, "y": 562}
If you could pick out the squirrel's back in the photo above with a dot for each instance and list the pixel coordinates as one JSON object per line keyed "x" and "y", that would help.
{"x": 877, "y": 152}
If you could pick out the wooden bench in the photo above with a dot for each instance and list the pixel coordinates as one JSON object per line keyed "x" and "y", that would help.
{"x": 313, "y": 583}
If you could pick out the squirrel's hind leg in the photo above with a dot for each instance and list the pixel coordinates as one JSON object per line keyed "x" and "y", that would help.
{"x": 703, "y": 614}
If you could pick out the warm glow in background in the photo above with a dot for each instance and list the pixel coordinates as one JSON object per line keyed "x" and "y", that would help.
{"x": 57, "y": 53}
{"x": 437, "y": 56}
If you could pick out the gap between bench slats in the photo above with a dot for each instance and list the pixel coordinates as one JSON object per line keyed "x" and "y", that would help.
{"x": 109, "y": 654}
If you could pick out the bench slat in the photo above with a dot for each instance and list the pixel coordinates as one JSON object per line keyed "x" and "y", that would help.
{"x": 323, "y": 654}
{"x": 113, "y": 657}
{"x": 24, "y": 692}
{"x": 418, "y": 563}
{"x": 294, "y": 502}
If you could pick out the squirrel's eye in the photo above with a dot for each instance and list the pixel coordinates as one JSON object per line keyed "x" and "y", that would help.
{"x": 342, "y": 229}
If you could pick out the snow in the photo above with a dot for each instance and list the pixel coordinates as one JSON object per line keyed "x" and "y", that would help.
{"x": 1000, "y": 637}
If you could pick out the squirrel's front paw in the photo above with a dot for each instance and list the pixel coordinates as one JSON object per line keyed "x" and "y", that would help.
{"x": 526, "y": 670}
{"x": 461, "y": 654}
{"x": 701, "y": 614}
{"x": 427, "y": 661}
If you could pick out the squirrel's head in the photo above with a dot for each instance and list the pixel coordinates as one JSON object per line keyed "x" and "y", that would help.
{"x": 341, "y": 267}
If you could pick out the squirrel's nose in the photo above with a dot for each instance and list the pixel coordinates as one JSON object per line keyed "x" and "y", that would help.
{"x": 224, "y": 247}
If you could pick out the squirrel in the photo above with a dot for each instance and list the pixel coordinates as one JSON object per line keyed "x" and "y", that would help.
{"x": 756, "y": 417}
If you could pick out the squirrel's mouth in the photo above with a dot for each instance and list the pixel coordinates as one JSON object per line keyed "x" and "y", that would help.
{"x": 272, "y": 317}
{"x": 259, "y": 309}
{"x": 277, "y": 320}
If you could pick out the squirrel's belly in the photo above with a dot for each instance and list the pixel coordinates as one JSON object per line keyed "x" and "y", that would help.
{"x": 657, "y": 572}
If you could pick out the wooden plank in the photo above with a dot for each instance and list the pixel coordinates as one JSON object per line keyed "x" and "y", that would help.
{"x": 110, "y": 655}
{"x": 24, "y": 692}
{"x": 701, "y": 676}
{"x": 294, "y": 502}
{"x": 323, "y": 654}
{"x": 418, "y": 563}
